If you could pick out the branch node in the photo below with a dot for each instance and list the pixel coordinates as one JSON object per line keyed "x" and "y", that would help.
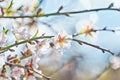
{"x": 111, "y": 5}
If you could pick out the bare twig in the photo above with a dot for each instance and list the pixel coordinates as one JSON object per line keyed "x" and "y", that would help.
{"x": 95, "y": 46}
{"x": 62, "y": 13}
{"x": 105, "y": 29}
{"x": 22, "y": 42}
{"x": 10, "y": 64}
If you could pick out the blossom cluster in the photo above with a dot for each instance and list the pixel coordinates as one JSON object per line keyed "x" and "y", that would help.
{"x": 9, "y": 8}
{"x": 27, "y": 67}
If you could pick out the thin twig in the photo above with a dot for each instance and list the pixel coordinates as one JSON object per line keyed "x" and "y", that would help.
{"x": 79, "y": 41}
{"x": 62, "y": 13}
{"x": 95, "y": 46}
{"x": 22, "y": 42}
{"x": 10, "y": 64}
{"x": 99, "y": 30}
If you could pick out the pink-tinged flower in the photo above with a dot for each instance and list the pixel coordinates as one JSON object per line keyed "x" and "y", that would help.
{"x": 30, "y": 62}
{"x": 85, "y": 27}
{"x": 115, "y": 62}
{"x": 88, "y": 30}
{"x": 32, "y": 75}
{"x": 29, "y": 9}
{"x": 27, "y": 52}
{"x": 62, "y": 40}
{"x": 43, "y": 46}
{"x": 21, "y": 33}
{"x": 17, "y": 72}
{"x": 29, "y": 76}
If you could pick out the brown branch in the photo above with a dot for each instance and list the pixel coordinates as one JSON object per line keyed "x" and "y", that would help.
{"x": 62, "y": 13}
{"x": 10, "y": 64}
{"x": 92, "y": 45}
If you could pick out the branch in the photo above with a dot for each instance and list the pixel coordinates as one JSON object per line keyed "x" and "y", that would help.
{"x": 62, "y": 13}
{"x": 22, "y": 42}
{"x": 99, "y": 30}
{"x": 42, "y": 37}
{"x": 95, "y": 46}
{"x": 106, "y": 29}
{"x": 46, "y": 77}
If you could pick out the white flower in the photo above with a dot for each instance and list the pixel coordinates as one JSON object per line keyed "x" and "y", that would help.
{"x": 17, "y": 72}
{"x": 2, "y": 61}
{"x": 30, "y": 7}
{"x": 85, "y": 27}
{"x": 21, "y": 33}
{"x": 115, "y": 62}
{"x": 61, "y": 40}
{"x": 25, "y": 61}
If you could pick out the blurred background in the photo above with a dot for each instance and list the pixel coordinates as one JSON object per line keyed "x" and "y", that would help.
{"x": 78, "y": 62}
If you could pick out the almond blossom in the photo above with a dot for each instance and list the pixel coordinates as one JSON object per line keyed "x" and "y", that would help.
{"x": 85, "y": 27}
{"x": 21, "y": 33}
{"x": 42, "y": 46}
{"x": 17, "y": 72}
{"x": 87, "y": 31}
{"x": 62, "y": 40}
{"x": 29, "y": 9}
